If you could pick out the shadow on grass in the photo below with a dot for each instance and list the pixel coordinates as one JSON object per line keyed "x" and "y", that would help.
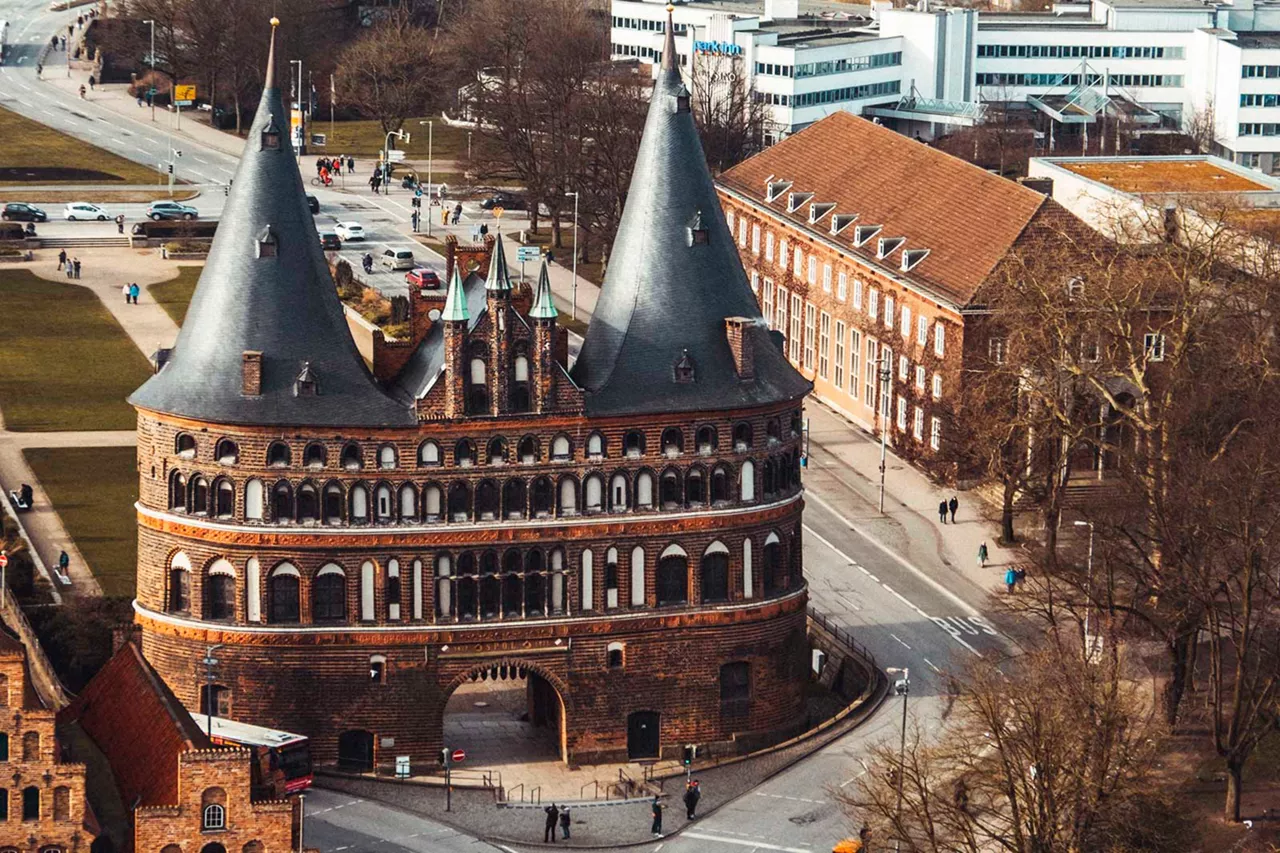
{"x": 174, "y": 295}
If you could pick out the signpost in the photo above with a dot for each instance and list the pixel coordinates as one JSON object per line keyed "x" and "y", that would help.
{"x": 526, "y": 253}
{"x": 395, "y": 155}
{"x": 402, "y": 767}
{"x": 458, "y": 756}
{"x": 4, "y": 562}
{"x": 184, "y": 95}
{"x": 450, "y": 757}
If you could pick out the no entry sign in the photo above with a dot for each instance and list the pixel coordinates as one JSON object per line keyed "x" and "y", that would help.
{"x": 458, "y": 755}
{"x": 4, "y": 561}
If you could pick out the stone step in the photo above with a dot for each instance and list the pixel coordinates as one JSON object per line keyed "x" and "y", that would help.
{"x": 114, "y": 242}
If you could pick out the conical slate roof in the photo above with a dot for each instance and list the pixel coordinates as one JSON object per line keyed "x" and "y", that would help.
{"x": 266, "y": 289}
{"x": 668, "y": 291}
{"x": 544, "y": 308}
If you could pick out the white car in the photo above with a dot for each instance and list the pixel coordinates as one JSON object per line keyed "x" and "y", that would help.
{"x": 83, "y": 210}
{"x": 348, "y": 231}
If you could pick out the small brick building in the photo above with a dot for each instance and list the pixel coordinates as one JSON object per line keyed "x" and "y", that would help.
{"x": 180, "y": 794}
{"x": 42, "y": 797}
{"x": 623, "y": 534}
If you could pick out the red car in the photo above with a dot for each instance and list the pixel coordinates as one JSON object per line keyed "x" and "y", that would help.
{"x": 424, "y": 278}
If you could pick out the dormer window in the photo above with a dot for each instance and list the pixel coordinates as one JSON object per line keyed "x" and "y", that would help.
{"x": 911, "y": 257}
{"x": 774, "y": 189}
{"x": 819, "y": 210}
{"x": 698, "y": 233}
{"x": 887, "y": 245}
{"x": 683, "y": 370}
{"x": 863, "y": 234}
{"x": 271, "y": 136}
{"x": 682, "y": 99}
{"x": 841, "y": 221}
{"x": 267, "y": 243}
{"x": 795, "y": 201}
{"x": 306, "y": 385}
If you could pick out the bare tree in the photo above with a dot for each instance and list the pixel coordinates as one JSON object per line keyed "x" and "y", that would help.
{"x": 389, "y": 73}
{"x": 730, "y": 117}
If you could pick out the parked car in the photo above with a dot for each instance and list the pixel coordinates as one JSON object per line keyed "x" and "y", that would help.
{"x": 397, "y": 259}
{"x": 18, "y": 212}
{"x": 349, "y": 230}
{"x": 158, "y": 210}
{"x": 507, "y": 201}
{"x": 313, "y": 203}
{"x": 330, "y": 242}
{"x": 83, "y": 210}
{"x": 423, "y": 278}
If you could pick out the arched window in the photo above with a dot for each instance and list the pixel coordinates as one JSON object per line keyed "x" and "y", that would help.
{"x": 224, "y": 499}
{"x": 408, "y": 502}
{"x": 352, "y": 457}
{"x": 735, "y": 686}
{"x": 278, "y": 455}
{"x": 329, "y": 594}
{"x": 557, "y": 581}
{"x": 669, "y": 489}
{"x": 496, "y": 451}
{"x": 611, "y": 578}
{"x": 185, "y": 445}
{"x": 177, "y": 491}
{"x": 673, "y": 576}
{"x": 774, "y": 579}
{"x": 719, "y": 485}
{"x": 282, "y": 502}
{"x": 522, "y": 368}
{"x": 476, "y": 375}
{"x": 31, "y": 803}
{"x": 528, "y": 450}
{"x": 417, "y": 589}
{"x": 315, "y": 456}
{"x": 199, "y": 495}
{"x": 220, "y": 591}
{"x": 568, "y": 496}
{"x": 715, "y": 573}
{"x": 391, "y": 589}
{"x": 773, "y": 431}
{"x": 543, "y": 497}
{"x": 587, "y": 581}
{"x": 179, "y": 583}
{"x": 742, "y": 436}
{"x": 384, "y": 503}
{"x": 595, "y": 445}
{"x": 359, "y": 504}
{"x": 444, "y": 585}
{"x": 308, "y": 503}
{"x": 227, "y": 452}
{"x": 253, "y": 590}
{"x": 251, "y": 847}
{"x": 487, "y": 507}
{"x": 707, "y": 439}
{"x": 466, "y": 586}
{"x": 368, "y": 585}
{"x": 672, "y": 441}
{"x": 490, "y": 586}
{"x": 254, "y": 500}
{"x": 213, "y": 809}
{"x": 387, "y": 458}
{"x": 633, "y": 444}
{"x": 477, "y": 386}
{"x": 333, "y": 502}
{"x": 464, "y": 453}
{"x": 748, "y": 570}
{"x": 747, "y": 481}
{"x": 429, "y": 453}
{"x": 432, "y": 502}
{"x": 593, "y": 491}
{"x": 614, "y": 656}
{"x": 561, "y": 448}
{"x": 215, "y": 699}
{"x": 31, "y": 746}
{"x": 514, "y": 498}
{"x": 618, "y": 493}
{"x": 695, "y": 486}
{"x": 512, "y": 584}
{"x": 535, "y": 585}
{"x": 637, "y": 577}
{"x": 644, "y": 490}
{"x": 284, "y": 594}
{"x": 459, "y": 501}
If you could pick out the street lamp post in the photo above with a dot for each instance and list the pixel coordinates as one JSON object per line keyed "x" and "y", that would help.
{"x": 151, "y": 87}
{"x": 386, "y": 158}
{"x": 885, "y": 372}
{"x": 575, "y": 243}
{"x": 1088, "y": 588}
{"x": 902, "y": 687}
{"x": 430, "y": 132}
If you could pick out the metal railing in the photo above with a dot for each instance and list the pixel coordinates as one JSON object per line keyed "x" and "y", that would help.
{"x": 842, "y": 636}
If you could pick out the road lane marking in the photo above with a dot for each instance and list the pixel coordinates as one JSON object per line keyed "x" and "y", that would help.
{"x": 793, "y": 799}
{"x": 899, "y": 639}
{"x": 703, "y": 836}
{"x": 931, "y": 666}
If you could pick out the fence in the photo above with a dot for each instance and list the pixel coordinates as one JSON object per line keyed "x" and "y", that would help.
{"x": 42, "y": 672}
{"x": 842, "y": 637}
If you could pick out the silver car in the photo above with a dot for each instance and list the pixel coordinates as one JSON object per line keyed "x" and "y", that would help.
{"x": 397, "y": 259}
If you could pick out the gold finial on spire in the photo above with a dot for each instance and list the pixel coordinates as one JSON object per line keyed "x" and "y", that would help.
{"x": 275, "y": 22}
{"x": 270, "y": 80}
{"x": 670, "y": 8}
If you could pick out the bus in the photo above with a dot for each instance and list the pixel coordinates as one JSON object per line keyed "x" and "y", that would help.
{"x": 282, "y": 760}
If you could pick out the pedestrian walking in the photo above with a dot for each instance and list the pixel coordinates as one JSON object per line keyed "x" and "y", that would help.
{"x": 549, "y": 828}
{"x": 128, "y": 292}
{"x": 76, "y": 265}
{"x": 657, "y": 818}
{"x": 457, "y": 213}
{"x": 982, "y": 555}
{"x": 134, "y": 290}
{"x": 120, "y": 223}
{"x": 82, "y": 91}
{"x": 71, "y": 273}
{"x": 62, "y": 259}
{"x": 444, "y": 216}
{"x": 351, "y": 165}
{"x": 564, "y": 823}
{"x": 484, "y": 230}
{"x": 1010, "y": 578}
{"x": 139, "y": 98}
{"x": 942, "y": 511}
{"x": 413, "y": 219}
{"x": 64, "y": 561}
{"x": 692, "y": 793}
{"x": 40, "y": 70}
{"x": 953, "y": 506}
{"x": 92, "y": 82}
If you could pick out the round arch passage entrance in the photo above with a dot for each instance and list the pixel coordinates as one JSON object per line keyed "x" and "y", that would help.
{"x": 504, "y": 713}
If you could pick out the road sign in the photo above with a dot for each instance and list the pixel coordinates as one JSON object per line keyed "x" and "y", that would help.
{"x": 395, "y": 156}
{"x": 319, "y": 139}
{"x": 402, "y": 767}
{"x": 184, "y": 95}
{"x": 498, "y": 211}
{"x": 4, "y": 561}
{"x": 458, "y": 755}
{"x": 528, "y": 253}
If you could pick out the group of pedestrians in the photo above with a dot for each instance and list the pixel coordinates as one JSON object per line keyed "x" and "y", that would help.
{"x": 944, "y": 506}
{"x": 70, "y": 264}
{"x": 131, "y": 292}
{"x": 329, "y": 167}
{"x": 557, "y": 815}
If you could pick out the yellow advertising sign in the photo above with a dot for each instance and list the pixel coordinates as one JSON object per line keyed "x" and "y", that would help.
{"x": 498, "y": 211}
{"x": 184, "y": 93}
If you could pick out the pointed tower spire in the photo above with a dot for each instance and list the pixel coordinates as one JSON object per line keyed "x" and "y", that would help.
{"x": 455, "y": 304}
{"x": 498, "y": 279}
{"x": 265, "y": 305}
{"x": 670, "y": 62}
{"x": 544, "y": 308}
{"x": 269, "y": 82}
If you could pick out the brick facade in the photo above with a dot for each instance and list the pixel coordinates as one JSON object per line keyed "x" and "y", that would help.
{"x": 42, "y": 798}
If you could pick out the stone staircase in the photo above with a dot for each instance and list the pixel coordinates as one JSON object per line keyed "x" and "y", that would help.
{"x": 115, "y": 241}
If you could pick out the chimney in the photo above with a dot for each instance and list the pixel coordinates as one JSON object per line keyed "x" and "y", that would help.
{"x": 1044, "y": 186}
{"x": 737, "y": 331}
{"x": 251, "y": 373}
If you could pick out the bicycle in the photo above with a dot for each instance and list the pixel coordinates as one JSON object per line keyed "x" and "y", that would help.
{"x": 317, "y": 182}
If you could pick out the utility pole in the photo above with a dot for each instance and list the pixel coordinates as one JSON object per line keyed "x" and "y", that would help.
{"x": 575, "y": 195}
{"x": 882, "y": 413}
{"x": 151, "y": 88}
{"x": 902, "y": 688}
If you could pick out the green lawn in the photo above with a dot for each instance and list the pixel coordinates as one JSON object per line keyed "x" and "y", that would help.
{"x": 174, "y": 295}
{"x": 42, "y": 155}
{"x": 93, "y": 490}
{"x": 65, "y": 363}
{"x": 363, "y": 139}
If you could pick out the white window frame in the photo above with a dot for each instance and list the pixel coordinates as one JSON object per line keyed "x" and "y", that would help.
{"x": 922, "y": 330}
{"x": 768, "y": 301}
{"x": 855, "y": 361}
{"x": 780, "y": 311}
{"x": 917, "y": 426}
{"x": 1153, "y": 344}
{"x": 888, "y": 312}
{"x": 935, "y": 433}
{"x": 824, "y": 346}
{"x": 937, "y": 386}
{"x": 783, "y": 257}
{"x": 920, "y": 378}
{"x": 742, "y": 233}
{"x": 840, "y": 354}
{"x": 904, "y": 367}
{"x": 873, "y": 303}
{"x": 755, "y": 238}
{"x": 857, "y": 293}
{"x": 939, "y": 339}
{"x": 870, "y": 379}
{"x": 768, "y": 246}
{"x": 826, "y": 278}
{"x": 797, "y": 332}
{"x": 755, "y": 282}
{"x": 902, "y": 413}
{"x": 813, "y": 269}
{"x": 842, "y": 286}
{"x": 797, "y": 267}
{"x": 905, "y": 325}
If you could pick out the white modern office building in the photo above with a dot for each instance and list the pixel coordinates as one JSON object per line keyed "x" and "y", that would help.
{"x": 1151, "y": 64}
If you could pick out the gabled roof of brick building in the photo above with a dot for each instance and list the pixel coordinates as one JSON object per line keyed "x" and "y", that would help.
{"x": 966, "y": 217}
{"x": 666, "y": 296}
{"x": 139, "y": 725}
{"x": 427, "y": 362}
{"x": 266, "y": 289}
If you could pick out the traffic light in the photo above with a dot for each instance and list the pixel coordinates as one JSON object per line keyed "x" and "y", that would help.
{"x": 690, "y": 752}
{"x": 170, "y": 168}
{"x": 444, "y": 757}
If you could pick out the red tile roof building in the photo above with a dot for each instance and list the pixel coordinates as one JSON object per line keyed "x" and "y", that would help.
{"x": 864, "y": 246}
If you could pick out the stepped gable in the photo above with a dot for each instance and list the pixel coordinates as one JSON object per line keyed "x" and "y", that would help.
{"x": 657, "y": 340}
{"x": 266, "y": 294}
{"x": 427, "y": 362}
